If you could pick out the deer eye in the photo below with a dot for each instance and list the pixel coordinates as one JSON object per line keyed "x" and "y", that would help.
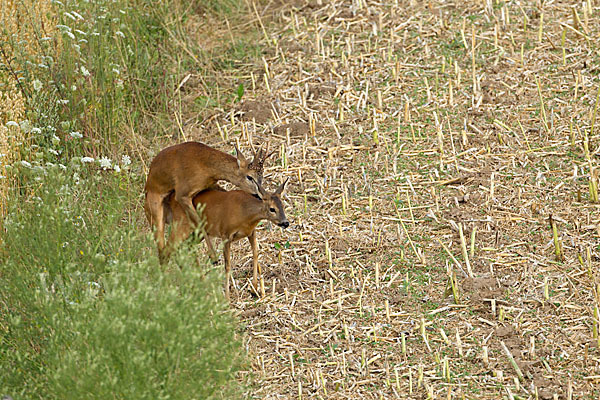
{"x": 251, "y": 179}
{"x": 272, "y": 209}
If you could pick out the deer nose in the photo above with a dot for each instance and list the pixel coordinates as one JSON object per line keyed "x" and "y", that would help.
{"x": 284, "y": 224}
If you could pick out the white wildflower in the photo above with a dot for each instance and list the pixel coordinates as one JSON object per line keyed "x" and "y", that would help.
{"x": 62, "y": 101}
{"x": 120, "y": 34}
{"x": 125, "y": 160}
{"x": 76, "y": 135}
{"x": 87, "y": 160}
{"x": 73, "y": 87}
{"x": 66, "y": 14}
{"x": 70, "y": 34}
{"x": 116, "y": 71}
{"x": 105, "y": 163}
{"x": 53, "y": 151}
{"x": 26, "y": 164}
{"x": 117, "y": 168}
{"x": 12, "y": 123}
{"x": 26, "y": 126}
{"x": 37, "y": 85}
{"x": 36, "y": 131}
{"x": 85, "y": 71}
{"x": 75, "y": 13}
{"x": 82, "y": 33}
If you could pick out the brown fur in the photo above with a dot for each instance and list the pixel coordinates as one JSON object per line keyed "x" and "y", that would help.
{"x": 230, "y": 216}
{"x": 185, "y": 169}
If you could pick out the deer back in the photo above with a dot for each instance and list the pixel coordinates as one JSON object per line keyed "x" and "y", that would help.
{"x": 198, "y": 166}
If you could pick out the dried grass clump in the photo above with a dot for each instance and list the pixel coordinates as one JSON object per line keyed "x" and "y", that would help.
{"x": 22, "y": 23}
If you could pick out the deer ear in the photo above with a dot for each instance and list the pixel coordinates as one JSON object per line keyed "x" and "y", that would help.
{"x": 281, "y": 187}
{"x": 241, "y": 160}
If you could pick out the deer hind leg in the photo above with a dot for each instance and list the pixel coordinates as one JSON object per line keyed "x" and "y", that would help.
{"x": 185, "y": 200}
{"x": 254, "y": 247}
{"x": 180, "y": 230}
{"x": 227, "y": 256}
{"x": 211, "y": 250}
{"x": 155, "y": 213}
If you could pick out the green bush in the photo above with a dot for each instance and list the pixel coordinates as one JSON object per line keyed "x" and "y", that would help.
{"x": 87, "y": 312}
{"x": 154, "y": 335}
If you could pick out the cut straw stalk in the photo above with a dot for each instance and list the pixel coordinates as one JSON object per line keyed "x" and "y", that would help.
{"x": 542, "y": 107}
{"x": 463, "y": 246}
{"x": 456, "y": 262}
{"x": 512, "y": 361}
{"x": 557, "y": 245}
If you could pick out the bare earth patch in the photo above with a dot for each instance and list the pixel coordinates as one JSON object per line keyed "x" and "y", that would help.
{"x": 400, "y": 126}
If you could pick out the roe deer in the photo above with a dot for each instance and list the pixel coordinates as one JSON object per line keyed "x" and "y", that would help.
{"x": 186, "y": 169}
{"x": 230, "y": 216}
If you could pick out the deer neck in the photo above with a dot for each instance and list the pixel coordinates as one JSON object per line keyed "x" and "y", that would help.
{"x": 254, "y": 209}
{"x": 226, "y": 169}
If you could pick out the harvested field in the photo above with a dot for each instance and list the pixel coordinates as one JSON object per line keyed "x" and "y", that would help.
{"x": 445, "y": 235}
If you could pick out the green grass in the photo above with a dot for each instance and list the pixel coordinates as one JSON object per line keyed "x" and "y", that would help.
{"x": 87, "y": 312}
{"x": 85, "y": 309}
{"x": 112, "y": 67}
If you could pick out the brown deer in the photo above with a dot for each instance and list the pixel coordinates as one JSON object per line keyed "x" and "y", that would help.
{"x": 184, "y": 170}
{"x": 230, "y": 216}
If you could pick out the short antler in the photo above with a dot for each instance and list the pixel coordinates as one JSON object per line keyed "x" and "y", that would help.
{"x": 259, "y": 158}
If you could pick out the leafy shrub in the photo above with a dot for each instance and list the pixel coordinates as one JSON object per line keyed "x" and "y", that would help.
{"x": 87, "y": 312}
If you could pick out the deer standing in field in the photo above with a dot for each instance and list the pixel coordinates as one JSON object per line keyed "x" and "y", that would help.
{"x": 230, "y": 216}
{"x": 184, "y": 170}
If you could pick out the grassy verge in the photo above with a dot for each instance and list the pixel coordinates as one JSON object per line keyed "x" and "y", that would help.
{"x": 86, "y": 311}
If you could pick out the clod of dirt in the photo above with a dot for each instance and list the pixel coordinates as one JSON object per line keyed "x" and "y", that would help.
{"x": 544, "y": 386}
{"x": 504, "y": 332}
{"x": 258, "y": 110}
{"x": 317, "y": 91}
{"x": 297, "y": 129}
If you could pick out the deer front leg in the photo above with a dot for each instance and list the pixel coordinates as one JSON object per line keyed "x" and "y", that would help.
{"x": 227, "y": 256}
{"x": 254, "y": 247}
